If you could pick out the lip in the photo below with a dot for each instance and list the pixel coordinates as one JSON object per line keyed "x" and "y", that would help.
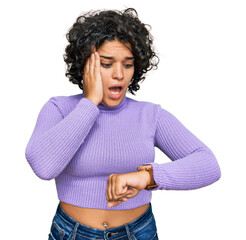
{"x": 117, "y": 85}
{"x": 116, "y": 97}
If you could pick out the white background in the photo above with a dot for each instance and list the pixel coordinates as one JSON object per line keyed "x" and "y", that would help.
{"x": 200, "y": 79}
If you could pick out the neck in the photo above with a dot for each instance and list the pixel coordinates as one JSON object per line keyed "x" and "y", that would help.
{"x": 103, "y": 107}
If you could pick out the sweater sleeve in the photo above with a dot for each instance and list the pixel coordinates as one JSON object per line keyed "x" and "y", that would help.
{"x": 56, "y": 139}
{"x": 193, "y": 164}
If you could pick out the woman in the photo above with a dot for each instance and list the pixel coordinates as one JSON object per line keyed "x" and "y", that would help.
{"x": 99, "y": 145}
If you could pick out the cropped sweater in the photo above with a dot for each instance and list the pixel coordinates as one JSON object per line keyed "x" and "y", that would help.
{"x": 79, "y": 144}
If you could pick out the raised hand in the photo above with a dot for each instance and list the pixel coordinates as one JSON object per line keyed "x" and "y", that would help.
{"x": 92, "y": 81}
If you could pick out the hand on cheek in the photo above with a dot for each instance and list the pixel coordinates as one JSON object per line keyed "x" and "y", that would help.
{"x": 92, "y": 81}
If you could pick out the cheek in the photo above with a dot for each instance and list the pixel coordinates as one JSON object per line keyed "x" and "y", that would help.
{"x": 130, "y": 75}
{"x": 104, "y": 77}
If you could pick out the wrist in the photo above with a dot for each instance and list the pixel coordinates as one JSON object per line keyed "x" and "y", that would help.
{"x": 145, "y": 176}
{"x": 93, "y": 100}
{"x": 151, "y": 182}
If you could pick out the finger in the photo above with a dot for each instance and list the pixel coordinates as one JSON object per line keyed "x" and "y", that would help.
{"x": 116, "y": 184}
{"x": 107, "y": 193}
{"x": 124, "y": 199}
{"x": 113, "y": 180}
{"x": 91, "y": 64}
{"x": 86, "y": 66}
{"x": 121, "y": 187}
{"x": 133, "y": 194}
{"x": 129, "y": 191}
{"x": 114, "y": 203}
{"x": 109, "y": 188}
{"x": 117, "y": 188}
{"x": 97, "y": 64}
{"x": 129, "y": 194}
{"x": 113, "y": 195}
{"x": 107, "y": 196}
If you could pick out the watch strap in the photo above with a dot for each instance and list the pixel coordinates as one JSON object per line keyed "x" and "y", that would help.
{"x": 148, "y": 168}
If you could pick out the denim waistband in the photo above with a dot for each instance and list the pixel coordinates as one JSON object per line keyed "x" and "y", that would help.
{"x": 109, "y": 233}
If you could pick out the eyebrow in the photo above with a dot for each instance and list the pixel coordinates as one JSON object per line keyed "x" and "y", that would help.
{"x": 108, "y": 57}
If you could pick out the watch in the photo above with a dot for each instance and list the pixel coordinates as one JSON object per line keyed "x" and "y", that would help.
{"x": 150, "y": 170}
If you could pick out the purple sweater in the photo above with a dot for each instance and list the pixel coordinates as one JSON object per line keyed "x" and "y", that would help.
{"x": 79, "y": 144}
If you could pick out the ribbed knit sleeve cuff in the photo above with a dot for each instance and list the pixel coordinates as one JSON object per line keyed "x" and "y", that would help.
{"x": 158, "y": 176}
{"x": 87, "y": 104}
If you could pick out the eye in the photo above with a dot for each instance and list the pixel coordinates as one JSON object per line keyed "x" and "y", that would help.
{"x": 106, "y": 65}
{"x": 128, "y": 65}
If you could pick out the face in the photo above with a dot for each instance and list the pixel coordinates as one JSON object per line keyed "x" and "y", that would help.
{"x": 117, "y": 69}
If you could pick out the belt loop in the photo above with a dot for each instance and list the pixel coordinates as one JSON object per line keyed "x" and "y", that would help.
{"x": 128, "y": 232}
{"x": 75, "y": 231}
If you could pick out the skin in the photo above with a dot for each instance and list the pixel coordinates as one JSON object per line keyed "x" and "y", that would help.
{"x": 100, "y": 73}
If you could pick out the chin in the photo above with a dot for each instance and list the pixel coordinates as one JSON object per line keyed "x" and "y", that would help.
{"x": 111, "y": 102}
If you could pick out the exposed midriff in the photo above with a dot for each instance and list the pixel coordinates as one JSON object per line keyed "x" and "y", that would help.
{"x": 97, "y": 217}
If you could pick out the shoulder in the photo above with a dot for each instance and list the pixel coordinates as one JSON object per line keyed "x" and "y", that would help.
{"x": 153, "y": 109}
{"x": 65, "y": 99}
{"x": 142, "y": 104}
{"x": 146, "y": 107}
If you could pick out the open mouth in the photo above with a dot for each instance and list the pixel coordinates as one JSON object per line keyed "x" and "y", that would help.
{"x": 115, "y": 92}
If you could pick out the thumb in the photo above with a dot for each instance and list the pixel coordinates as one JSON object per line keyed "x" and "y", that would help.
{"x": 124, "y": 189}
{"x": 113, "y": 203}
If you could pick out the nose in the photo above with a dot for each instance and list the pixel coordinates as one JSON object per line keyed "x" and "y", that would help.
{"x": 118, "y": 72}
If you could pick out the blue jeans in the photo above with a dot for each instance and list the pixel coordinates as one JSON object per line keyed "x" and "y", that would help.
{"x": 65, "y": 227}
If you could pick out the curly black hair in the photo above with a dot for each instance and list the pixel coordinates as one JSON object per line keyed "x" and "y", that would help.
{"x": 95, "y": 28}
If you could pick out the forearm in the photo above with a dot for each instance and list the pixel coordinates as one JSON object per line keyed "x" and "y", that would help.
{"x": 196, "y": 170}
{"x": 55, "y": 140}
{"x": 193, "y": 164}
